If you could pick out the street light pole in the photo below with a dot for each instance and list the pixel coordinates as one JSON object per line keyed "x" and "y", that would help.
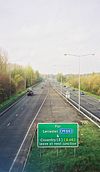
{"x": 61, "y": 83}
{"x": 79, "y": 83}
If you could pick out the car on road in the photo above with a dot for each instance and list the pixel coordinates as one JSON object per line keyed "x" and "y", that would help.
{"x": 82, "y": 93}
{"x": 30, "y": 92}
{"x": 73, "y": 89}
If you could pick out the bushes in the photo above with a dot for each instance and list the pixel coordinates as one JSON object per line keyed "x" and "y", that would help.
{"x": 89, "y": 83}
{"x": 4, "y": 87}
{"x": 15, "y": 78}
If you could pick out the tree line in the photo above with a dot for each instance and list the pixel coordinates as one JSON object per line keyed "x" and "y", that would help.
{"x": 15, "y": 78}
{"x": 88, "y": 82}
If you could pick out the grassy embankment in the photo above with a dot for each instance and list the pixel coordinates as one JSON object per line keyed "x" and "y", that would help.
{"x": 91, "y": 94}
{"x": 87, "y": 93}
{"x": 11, "y": 100}
{"x": 86, "y": 158}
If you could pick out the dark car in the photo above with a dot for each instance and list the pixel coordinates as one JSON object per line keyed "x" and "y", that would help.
{"x": 73, "y": 89}
{"x": 30, "y": 93}
{"x": 82, "y": 93}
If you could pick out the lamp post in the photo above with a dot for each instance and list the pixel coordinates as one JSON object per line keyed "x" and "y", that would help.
{"x": 78, "y": 72}
{"x": 61, "y": 83}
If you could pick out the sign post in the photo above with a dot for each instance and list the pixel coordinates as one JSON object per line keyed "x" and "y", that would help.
{"x": 57, "y": 135}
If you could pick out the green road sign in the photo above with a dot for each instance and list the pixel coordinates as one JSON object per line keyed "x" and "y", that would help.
{"x": 57, "y": 135}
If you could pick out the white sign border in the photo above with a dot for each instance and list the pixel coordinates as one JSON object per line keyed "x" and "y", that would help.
{"x": 60, "y": 146}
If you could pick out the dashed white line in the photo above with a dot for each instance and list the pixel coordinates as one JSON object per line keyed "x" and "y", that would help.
{"x": 8, "y": 124}
{"x": 11, "y": 168}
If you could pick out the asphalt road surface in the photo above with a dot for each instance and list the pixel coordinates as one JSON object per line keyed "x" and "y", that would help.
{"x": 14, "y": 125}
{"x": 15, "y": 122}
{"x": 89, "y": 103}
{"x": 54, "y": 110}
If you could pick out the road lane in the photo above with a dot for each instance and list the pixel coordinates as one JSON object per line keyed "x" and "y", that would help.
{"x": 89, "y": 103}
{"x": 13, "y": 128}
{"x": 55, "y": 109}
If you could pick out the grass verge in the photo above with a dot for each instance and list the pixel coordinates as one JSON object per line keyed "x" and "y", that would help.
{"x": 10, "y": 101}
{"x": 86, "y": 92}
{"x": 93, "y": 95}
{"x": 86, "y": 158}
{"x": 4, "y": 105}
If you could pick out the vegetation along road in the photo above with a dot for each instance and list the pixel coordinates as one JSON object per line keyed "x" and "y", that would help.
{"x": 85, "y": 158}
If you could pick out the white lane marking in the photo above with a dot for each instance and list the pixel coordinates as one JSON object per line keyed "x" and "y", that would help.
{"x": 8, "y": 124}
{"x": 11, "y": 168}
{"x": 79, "y": 110}
{"x": 16, "y": 114}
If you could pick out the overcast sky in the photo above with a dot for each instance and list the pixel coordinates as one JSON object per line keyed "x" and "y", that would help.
{"x": 39, "y": 32}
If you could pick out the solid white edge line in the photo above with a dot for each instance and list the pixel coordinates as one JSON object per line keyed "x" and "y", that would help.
{"x": 16, "y": 102}
{"x": 86, "y": 111}
{"x": 8, "y": 124}
{"x": 28, "y": 153}
{"x": 27, "y": 134}
{"x": 77, "y": 109}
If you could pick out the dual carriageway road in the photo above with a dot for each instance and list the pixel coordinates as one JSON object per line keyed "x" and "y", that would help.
{"x": 89, "y": 103}
{"x": 15, "y": 123}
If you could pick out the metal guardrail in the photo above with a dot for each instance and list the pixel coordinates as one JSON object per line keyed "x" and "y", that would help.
{"x": 82, "y": 110}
